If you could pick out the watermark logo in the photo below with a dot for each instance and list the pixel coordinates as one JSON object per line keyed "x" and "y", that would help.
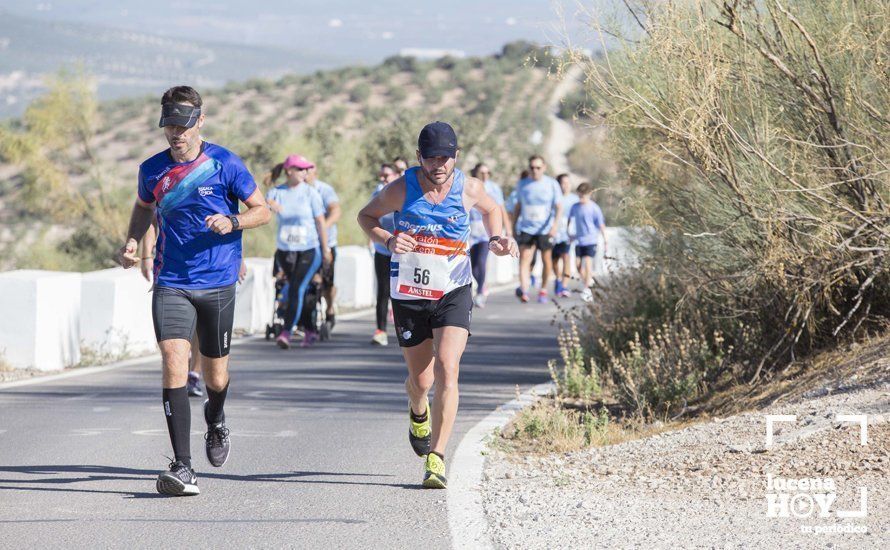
{"x": 813, "y": 496}
{"x": 204, "y": 191}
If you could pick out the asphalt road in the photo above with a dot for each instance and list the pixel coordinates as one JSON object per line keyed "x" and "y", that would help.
{"x": 320, "y": 457}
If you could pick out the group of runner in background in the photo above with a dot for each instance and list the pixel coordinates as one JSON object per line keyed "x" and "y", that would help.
{"x": 547, "y": 216}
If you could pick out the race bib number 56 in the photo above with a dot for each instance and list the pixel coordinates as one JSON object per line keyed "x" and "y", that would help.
{"x": 423, "y": 275}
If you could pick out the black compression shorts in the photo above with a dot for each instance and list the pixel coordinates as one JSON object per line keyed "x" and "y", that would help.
{"x": 178, "y": 312}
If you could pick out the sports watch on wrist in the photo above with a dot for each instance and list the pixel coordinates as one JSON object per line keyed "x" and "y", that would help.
{"x": 235, "y": 223}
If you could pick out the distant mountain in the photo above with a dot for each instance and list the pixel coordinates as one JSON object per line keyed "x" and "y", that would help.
{"x": 128, "y": 63}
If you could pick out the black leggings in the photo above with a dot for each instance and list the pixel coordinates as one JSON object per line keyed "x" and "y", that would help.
{"x": 479, "y": 260}
{"x": 381, "y": 268}
{"x": 299, "y": 268}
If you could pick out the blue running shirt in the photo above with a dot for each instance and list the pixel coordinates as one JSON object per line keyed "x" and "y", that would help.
{"x": 538, "y": 199}
{"x": 300, "y": 205}
{"x": 562, "y": 236}
{"x": 477, "y": 226}
{"x": 587, "y": 219}
{"x": 189, "y": 255}
{"x": 328, "y": 197}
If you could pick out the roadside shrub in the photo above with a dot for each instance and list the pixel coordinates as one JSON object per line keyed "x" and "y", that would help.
{"x": 757, "y": 133}
{"x": 360, "y": 92}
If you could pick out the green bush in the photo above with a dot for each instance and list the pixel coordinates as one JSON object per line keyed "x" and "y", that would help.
{"x": 360, "y": 92}
{"x": 752, "y": 128}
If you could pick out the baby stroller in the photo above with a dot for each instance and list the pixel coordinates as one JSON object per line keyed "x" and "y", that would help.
{"x": 315, "y": 317}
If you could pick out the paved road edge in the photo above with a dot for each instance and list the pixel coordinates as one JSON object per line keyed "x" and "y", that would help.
{"x": 466, "y": 516}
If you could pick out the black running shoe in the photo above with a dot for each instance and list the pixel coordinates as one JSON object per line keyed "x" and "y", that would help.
{"x": 178, "y": 481}
{"x": 216, "y": 441}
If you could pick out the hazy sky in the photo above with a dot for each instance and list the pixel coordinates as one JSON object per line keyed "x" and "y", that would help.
{"x": 353, "y": 29}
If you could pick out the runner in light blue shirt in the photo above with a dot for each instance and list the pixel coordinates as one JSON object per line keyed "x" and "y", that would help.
{"x": 478, "y": 235}
{"x": 382, "y": 258}
{"x": 586, "y": 223}
{"x": 302, "y": 240}
{"x": 332, "y": 215}
{"x": 536, "y": 213}
{"x": 562, "y": 265}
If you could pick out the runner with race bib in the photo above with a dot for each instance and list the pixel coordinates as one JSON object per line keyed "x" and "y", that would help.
{"x": 302, "y": 239}
{"x": 430, "y": 281}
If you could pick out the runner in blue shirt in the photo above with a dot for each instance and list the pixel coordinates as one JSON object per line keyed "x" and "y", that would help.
{"x": 332, "y": 212}
{"x": 302, "y": 242}
{"x": 587, "y": 224}
{"x": 562, "y": 266}
{"x": 382, "y": 257}
{"x": 192, "y": 189}
{"x": 479, "y": 236}
{"x": 536, "y": 213}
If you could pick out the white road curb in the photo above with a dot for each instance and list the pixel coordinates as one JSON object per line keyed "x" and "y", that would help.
{"x": 466, "y": 517}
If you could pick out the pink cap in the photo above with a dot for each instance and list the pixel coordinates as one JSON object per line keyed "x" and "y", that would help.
{"x": 297, "y": 160}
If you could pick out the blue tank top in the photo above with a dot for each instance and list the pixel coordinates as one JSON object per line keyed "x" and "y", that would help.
{"x": 440, "y": 262}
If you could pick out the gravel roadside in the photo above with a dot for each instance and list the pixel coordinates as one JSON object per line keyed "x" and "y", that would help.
{"x": 702, "y": 486}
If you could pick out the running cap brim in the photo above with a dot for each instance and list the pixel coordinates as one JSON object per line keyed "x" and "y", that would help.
{"x": 179, "y": 114}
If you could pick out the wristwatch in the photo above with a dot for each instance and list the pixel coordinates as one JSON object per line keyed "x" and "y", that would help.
{"x": 235, "y": 223}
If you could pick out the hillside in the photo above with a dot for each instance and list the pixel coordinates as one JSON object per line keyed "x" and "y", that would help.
{"x": 348, "y": 120}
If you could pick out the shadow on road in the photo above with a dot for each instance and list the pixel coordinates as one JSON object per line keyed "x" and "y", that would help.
{"x": 114, "y": 473}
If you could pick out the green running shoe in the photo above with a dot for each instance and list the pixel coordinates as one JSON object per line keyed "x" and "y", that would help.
{"x": 419, "y": 433}
{"x": 434, "y": 477}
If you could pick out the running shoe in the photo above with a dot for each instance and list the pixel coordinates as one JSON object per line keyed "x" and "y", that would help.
{"x": 178, "y": 481}
{"x": 479, "y": 301}
{"x": 557, "y": 288}
{"x": 587, "y": 295}
{"x": 283, "y": 340}
{"x": 380, "y": 338}
{"x": 194, "y": 385}
{"x": 523, "y": 297}
{"x": 216, "y": 441}
{"x": 419, "y": 433}
{"x": 309, "y": 339}
{"x": 565, "y": 293}
{"x": 542, "y": 297}
{"x": 434, "y": 476}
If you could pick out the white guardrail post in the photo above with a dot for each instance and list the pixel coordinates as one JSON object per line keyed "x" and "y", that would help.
{"x": 40, "y": 319}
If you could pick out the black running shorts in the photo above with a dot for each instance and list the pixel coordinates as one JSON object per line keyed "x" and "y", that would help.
{"x": 559, "y": 249}
{"x": 585, "y": 250}
{"x": 542, "y": 242}
{"x": 178, "y": 312}
{"x": 416, "y": 319}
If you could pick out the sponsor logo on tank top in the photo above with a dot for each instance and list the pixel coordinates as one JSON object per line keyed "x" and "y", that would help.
{"x": 204, "y": 191}
{"x": 432, "y": 227}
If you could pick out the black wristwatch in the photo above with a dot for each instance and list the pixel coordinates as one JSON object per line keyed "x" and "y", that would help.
{"x": 495, "y": 238}
{"x": 235, "y": 223}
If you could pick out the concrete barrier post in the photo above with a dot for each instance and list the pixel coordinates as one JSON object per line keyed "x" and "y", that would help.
{"x": 255, "y": 297}
{"x": 115, "y": 317}
{"x": 40, "y": 323}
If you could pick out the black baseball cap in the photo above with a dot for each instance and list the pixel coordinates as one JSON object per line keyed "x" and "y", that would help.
{"x": 179, "y": 114}
{"x": 437, "y": 139}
